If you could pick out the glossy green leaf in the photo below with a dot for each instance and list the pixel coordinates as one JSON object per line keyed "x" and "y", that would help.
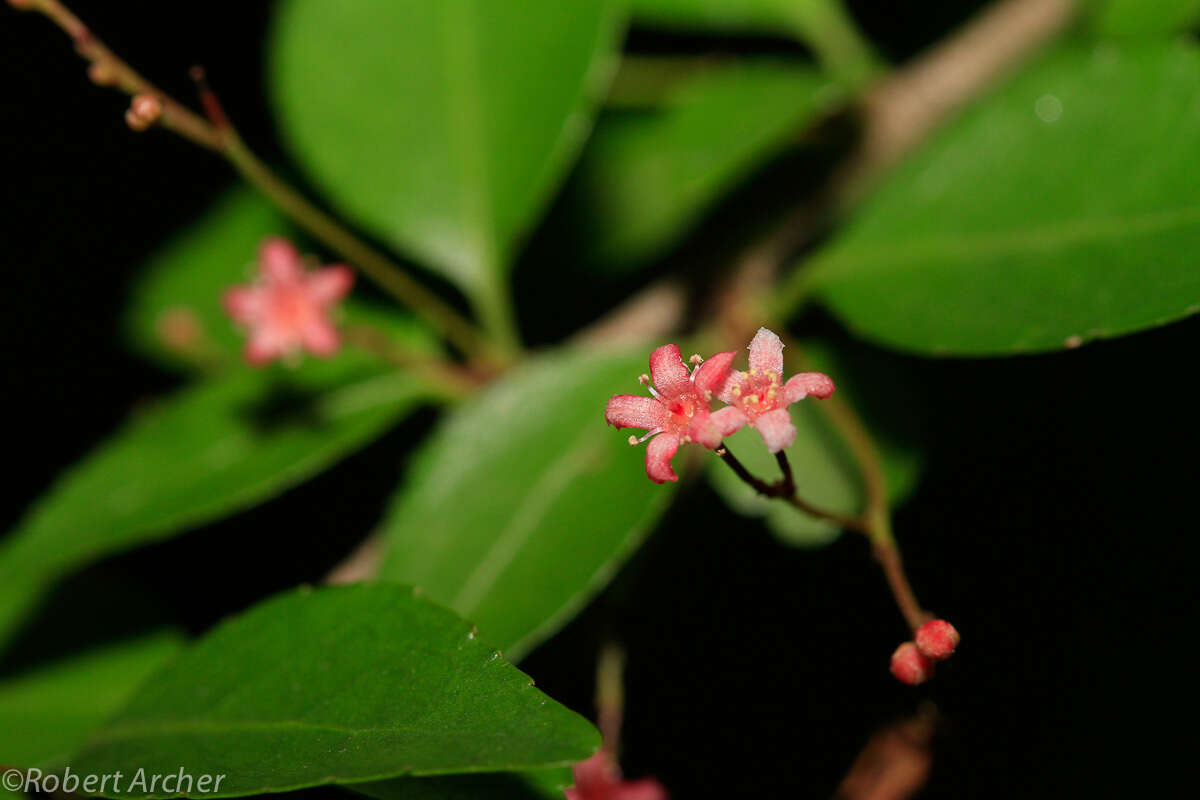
{"x": 1063, "y": 208}
{"x": 205, "y": 452}
{"x": 523, "y": 503}
{"x": 534, "y": 785}
{"x": 823, "y": 466}
{"x": 340, "y": 685}
{"x": 647, "y": 176}
{"x": 183, "y": 284}
{"x": 46, "y": 714}
{"x": 1144, "y": 17}
{"x": 442, "y": 126}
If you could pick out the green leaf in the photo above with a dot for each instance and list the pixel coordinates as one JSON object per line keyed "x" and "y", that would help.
{"x": 340, "y": 685}
{"x": 647, "y": 176}
{"x": 443, "y": 127}
{"x": 184, "y": 282}
{"x": 539, "y": 785}
{"x": 205, "y": 452}
{"x": 1143, "y": 17}
{"x": 1063, "y": 208}
{"x": 46, "y": 714}
{"x": 824, "y": 467}
{"x": 824, "y": 25}
{"x": 523, "y": 503}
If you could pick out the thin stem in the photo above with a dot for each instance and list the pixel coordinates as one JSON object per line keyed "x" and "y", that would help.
{"x": 610, "y": 697}
{"x": 109, "y": 70}
{"x": 842, "y": 49}
{"x": 451, "y": 379}
{"x": 216, "y": 134}
{"x": 785, "y": 489}
{"x": 371, "y": 262}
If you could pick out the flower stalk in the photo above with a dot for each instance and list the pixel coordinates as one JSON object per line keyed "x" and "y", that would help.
{"x": 213, "y": 131}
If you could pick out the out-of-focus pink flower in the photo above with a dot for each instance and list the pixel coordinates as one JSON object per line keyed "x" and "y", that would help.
{"x": 598, "y": 778}
{"x": 286, "y": 309}
{"x": 760, "y": 396}
{"x": 678, "y": 412}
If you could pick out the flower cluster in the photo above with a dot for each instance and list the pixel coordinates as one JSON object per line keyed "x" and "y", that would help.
{"x": 598, "y": 778}
{"x": 912, "y": 663}
{"x": 287, "y": 308}
{"x": 679, "y": 409}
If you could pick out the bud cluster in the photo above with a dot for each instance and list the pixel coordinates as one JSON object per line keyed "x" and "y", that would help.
{"x": 913, "y": 661}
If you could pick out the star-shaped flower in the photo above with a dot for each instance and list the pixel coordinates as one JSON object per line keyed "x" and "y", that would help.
{"x": 286, "y": 309}
{"x": 598, "y": 778}
{"x": 679, "y": 410}
{"x": 760, "y": 397}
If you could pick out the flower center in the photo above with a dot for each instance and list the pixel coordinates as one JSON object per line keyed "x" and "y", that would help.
{"x": 758, "y": 392}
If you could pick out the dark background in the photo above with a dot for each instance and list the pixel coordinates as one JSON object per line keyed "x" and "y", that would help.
{"x": 1054, "y": 523}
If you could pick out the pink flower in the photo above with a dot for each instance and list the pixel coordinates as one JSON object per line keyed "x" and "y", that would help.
{"x": 678, "y": 412}
{"x": 287, "y": 308}
{"x": 599, "y": 779}
{"x": 760, "y": 397}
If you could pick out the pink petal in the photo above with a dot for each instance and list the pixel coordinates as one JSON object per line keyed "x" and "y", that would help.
{"x": 659, "y": 453}
{"x": 728, "y": 420}
{"x": 667, "y": 370}
{"x": 766, "y": 351}
{"x": 327, "y": 286}
{"x": 264, "y": 347}
{"x": 710, "y": 375}
{"x": 801, "y": 386}
{"x": 279, "y": 260}
{"x": 635, "y": 411}
{"x": 702, "y": 430}
{"x": 595, "y": 774}
{"x": 777, "y": 429}
{"x": 736, "y": 378}
{"x": 243, "y": 303}
{"x": 320, "y": 337}
{"x": 645, "y": 789}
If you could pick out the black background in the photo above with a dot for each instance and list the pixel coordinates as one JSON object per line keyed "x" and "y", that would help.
{"x": 1054, "y": 524}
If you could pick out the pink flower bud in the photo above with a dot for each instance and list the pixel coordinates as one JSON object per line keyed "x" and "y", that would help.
{"x": 909, "y": 666}
{"x": 144, "y": 111}
{"x": 937, "y": 639}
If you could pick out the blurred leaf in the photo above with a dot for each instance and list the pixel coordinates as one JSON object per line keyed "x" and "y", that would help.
{"x": 523, "y": 503}
{"x": 362, "y": 683}
{"x": 647, "y": 176}
{"x": 1142, "y": 17}
{"x": 205, "y": 452}
{"x": 45, "y": 714}
{"x": 824, "y": 468}
{"x": 184, "y": 282}
{"x": 445, "y": 126}
{"x": 824, "y": 25}
{"x": 539, "y": 785}
{"x": 1063, "y": 208}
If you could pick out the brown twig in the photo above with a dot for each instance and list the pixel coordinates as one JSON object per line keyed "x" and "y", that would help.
{"x": 217, "y": 134}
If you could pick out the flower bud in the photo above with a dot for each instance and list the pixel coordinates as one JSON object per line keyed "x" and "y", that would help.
{"x": 937, "y": 639}
{"x": 909, "y": 666}
{"x": 144, "y": 111}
